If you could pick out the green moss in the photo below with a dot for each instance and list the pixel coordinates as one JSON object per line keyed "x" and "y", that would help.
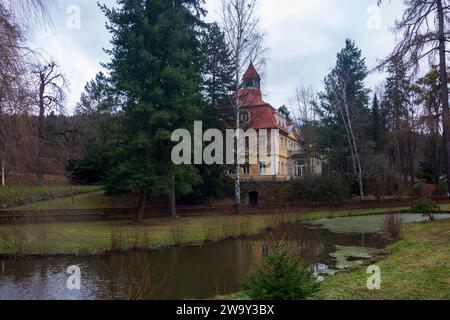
{"x": 367, "y": 224}
{"x": 350, "y": 257}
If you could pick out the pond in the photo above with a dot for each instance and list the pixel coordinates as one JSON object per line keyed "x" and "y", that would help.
{"x": 195, "y": 272}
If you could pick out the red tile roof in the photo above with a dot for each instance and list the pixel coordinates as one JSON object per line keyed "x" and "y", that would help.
{"x": 263, "y": 115}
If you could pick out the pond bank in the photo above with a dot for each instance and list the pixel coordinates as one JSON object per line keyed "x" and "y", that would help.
{"x": 99, "y": 237}
{"x": 416, "y": 267}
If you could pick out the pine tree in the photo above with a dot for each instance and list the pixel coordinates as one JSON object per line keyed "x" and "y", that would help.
{"x": 217, "y": 67}
{"x": 283, "y": 110}
{"x": 344, "y": 109}
{"x": 155, "y": 69}
{"x": 377, "y": 125}
{"x": 281, "y": 278}
{"x": 396, "y": 99}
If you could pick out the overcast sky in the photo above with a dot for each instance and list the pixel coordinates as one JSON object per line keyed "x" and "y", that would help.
{"x": 303, "y": 37}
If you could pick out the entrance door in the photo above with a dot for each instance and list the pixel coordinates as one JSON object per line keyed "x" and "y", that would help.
{"x": 253, "y": 197}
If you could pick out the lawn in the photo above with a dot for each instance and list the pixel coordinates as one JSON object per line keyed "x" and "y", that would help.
{"x": 13, "y": 196}
{"x": 89, "y": 237}
{"x": 415, "y": 268}
{"x": 91, "y": 200}
{"x": 418, "y": 267}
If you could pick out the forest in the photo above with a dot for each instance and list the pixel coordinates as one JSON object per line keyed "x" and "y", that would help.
{"x": 168, "y": 68}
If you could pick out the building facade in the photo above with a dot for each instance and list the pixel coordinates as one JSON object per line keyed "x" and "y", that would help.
{"x": 294, "y": 160}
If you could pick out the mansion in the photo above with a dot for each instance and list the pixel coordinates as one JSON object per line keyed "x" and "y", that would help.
{"x": 295, "y": 159}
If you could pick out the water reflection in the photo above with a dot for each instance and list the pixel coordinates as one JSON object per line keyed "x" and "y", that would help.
{"x": 175, "y": 273}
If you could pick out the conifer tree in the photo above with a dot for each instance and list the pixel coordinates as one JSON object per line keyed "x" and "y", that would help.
{"x": 155, "y": 70}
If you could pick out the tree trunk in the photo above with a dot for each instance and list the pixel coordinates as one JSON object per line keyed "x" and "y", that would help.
{"x": 141, "y": 209}
{"x": 436, "y": 165}
{"x": 3, "y": 173}
{"x": 41, "y": 134}
{"x": 444, "y": 90}
{"x": 172, "y": 198}
{"x": 237, "y": 185}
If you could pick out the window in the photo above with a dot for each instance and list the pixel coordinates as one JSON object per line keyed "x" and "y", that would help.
{"x": 262, "y": 167}
{"x": 300, "y": 169}
{"x": 245, "y": 117}
{"x": 246, "y": 169}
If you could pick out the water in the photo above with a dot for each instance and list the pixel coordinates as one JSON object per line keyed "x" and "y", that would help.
{"x": 177, "y": 273}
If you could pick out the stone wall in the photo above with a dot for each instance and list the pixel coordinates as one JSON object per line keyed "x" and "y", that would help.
{"x": 267, "y": 191}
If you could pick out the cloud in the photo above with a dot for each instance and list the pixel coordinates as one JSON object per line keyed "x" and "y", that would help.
{"x": 303, "y": 37}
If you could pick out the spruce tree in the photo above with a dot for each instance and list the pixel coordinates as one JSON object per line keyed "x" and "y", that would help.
{"x": 345, "y": 113}
{"x": 217, "y": 67}
{"x": 377, "y": 129}
{"x": 396, "y": 100}
{"x": 155, "y": 69}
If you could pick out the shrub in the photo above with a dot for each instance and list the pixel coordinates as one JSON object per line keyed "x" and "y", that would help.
{"x": 177, "y": 233}
{"x": 442, "y": 189}
{"x": 427, "y": 207}
{"x": 418, "y": 187}
{"x": 281, "y": 278}
{"x": 319, "y": 189}
{"x": 381, "y": 187}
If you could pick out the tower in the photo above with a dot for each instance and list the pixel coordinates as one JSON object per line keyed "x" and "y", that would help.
{"x": 251, "y": 79}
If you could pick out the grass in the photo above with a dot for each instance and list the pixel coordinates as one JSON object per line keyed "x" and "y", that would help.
{"x": 91, "y": 200}
{"x": 416, "y": 268}
{"x": 89, "y": 237}
{"x": 13, "y": 196}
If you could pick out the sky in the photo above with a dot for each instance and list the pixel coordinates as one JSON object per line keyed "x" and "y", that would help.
{"x": 303, "y": 38}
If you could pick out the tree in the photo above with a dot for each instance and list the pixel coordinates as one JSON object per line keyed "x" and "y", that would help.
{"x": 98, "y": 97}
{"x": 22, "y": 11}
{"x": 217, "y": 70}
{"x": 283, "y": 110}
{"x": 281, "y": 278}
{"x": 305, "y": 106}
{"x": 427, "y": 90}
{"x": 396, "y": 101}
{"x": 425, "y": 32}
{"x": 377, "y": 129}
{"x": 245, "y": 41}
{"x": 155, "y": 69}
{"x": 49, "y": 97}
{"x": 345, "y": 101}
{"x": 14, "y": 55}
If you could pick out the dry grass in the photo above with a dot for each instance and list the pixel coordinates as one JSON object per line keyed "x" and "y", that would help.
{"x": 177, "y": 232}
{"x": 393, "y": 226}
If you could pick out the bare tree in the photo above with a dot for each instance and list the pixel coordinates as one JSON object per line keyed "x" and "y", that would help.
{"x": 340, "y": 89}
{"x": 425, "y": 31}
{"x": 49, "y": 97}
{"x": 245, "y": 41}
{"x": 14, "y": 59}
{"x": 305, "y": 104}
{"x": 25, "y": 11}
